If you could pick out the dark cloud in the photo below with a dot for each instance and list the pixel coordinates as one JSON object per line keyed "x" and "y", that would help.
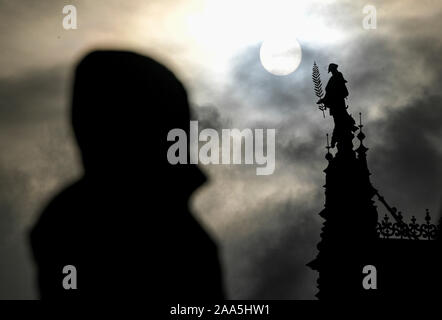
{"x": 272, "y": 258}
{"x": 209, "y": 117}
{"x": 406, "y": 167}
{"x": 34, "y": 97}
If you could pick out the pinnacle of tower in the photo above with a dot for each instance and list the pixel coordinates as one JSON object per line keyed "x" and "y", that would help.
{"x": 361, "y": 150}
{"x": 328, "y": 156}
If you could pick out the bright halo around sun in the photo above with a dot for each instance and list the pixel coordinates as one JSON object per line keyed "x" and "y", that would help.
{"x": 280, "y": 56}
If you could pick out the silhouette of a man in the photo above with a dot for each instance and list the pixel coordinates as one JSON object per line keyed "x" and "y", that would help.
{"x": 334, "y": 99}
{"x": 125, "y": 225}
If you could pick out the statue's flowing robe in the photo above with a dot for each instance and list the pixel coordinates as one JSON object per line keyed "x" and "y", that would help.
{"x": 335, "y": 93}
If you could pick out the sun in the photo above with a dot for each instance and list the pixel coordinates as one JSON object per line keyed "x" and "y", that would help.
{"x": 280, "y": 56}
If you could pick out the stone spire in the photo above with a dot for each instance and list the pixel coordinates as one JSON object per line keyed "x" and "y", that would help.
{"x": 349, "y": 229}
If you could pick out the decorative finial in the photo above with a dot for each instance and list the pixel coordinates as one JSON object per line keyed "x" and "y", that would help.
{"x": 427, "y": 216}
{"x": 361, "y": 135}
{"x": 328, "y": 156}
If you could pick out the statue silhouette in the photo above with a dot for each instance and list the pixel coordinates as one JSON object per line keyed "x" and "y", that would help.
{"x": 125, "y": 225}
{"x": 348, "y": 235}
{"x": 335, "y": 94}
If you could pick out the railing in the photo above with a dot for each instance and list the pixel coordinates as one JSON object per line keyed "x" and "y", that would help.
{"x": 412, "y": 230}
{"x": 403, "y": 230}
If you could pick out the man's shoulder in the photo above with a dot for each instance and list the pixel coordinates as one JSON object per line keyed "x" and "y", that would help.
{"x": 60, "y": 206}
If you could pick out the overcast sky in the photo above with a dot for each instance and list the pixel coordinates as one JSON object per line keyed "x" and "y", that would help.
{"x": 267, "y": 226}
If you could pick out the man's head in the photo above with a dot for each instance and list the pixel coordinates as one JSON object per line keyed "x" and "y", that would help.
{"x": 332, "y": 67}
{"x": 124, "y": 105}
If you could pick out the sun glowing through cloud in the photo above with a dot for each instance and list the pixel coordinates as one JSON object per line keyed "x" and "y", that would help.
{"x": 220, "y": 30}
{"x": 280, "y": 56}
